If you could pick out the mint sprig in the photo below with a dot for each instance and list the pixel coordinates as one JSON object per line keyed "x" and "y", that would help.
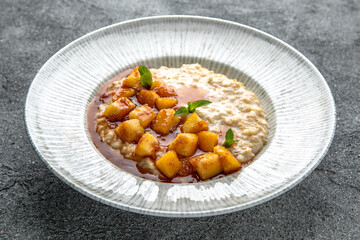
{"x": 191, "y": 107}
{"x": 229, "y": 138}
{"x": 146, "y": 77}
{"x": 181, "y": 111}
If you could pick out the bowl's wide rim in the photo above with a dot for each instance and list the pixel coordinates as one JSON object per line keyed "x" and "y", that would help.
{"x": 310, "y": 168}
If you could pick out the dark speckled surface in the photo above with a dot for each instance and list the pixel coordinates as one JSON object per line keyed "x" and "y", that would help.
{"x": 34, "y": 204}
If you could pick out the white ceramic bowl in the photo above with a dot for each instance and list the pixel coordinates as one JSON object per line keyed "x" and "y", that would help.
{"x": 296, "y": 98}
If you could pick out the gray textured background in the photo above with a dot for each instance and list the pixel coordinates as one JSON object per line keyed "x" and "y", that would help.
{"x": 34, "y": 204}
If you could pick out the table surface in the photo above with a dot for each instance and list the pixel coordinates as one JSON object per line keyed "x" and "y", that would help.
{"x": 34, "y": 204}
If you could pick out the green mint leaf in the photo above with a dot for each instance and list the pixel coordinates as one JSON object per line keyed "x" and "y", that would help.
{"x": 197, "y": 104}
{"x": 189, "y": 107}
{"x": 228, "y": 143}
{"x": 181, "y": 111}
{"x": 229, "y": 138}
{"x": 146, "y": 77}
{"x": 229, "y": 134}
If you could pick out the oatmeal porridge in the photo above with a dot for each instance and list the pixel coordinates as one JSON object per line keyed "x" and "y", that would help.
{"x": 184, "y": 124}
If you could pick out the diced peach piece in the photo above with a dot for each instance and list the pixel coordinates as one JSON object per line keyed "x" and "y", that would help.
{"x": 227, "y": 160}
{"x": 130, "y": 130}
{"x": 157, "y": 83}
{"x": 147, "y": 97}
{"x": 123, "y": 92}
{"x": 165, "y": 91}
{"x": 184, "y": 144}
{"x": 165, "y": 120}
{"x": 169, "y": 164}
{"x": 133, "y": 80}
{"x": 162, "y": 89}
{"x": 147, "y": 146}
{"x": 144, "y": 113}
{"x": 206, "y": 165}
{"x": 194, "y": 124}
{"x": 162, "y": 103}
{"x": 119, "y": 109}
{"x": 207, "y": 141}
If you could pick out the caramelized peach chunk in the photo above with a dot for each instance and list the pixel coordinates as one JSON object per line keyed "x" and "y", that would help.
{"x": 207, "y": 141}
{"x": 164, "y": 121}
{"x": 206, "y": 165}
{"x": 165, "y": 91}
{"x": 144, "y": 113}
{"x": 194, "y": 124}
{"x": 184, "y": 144}
{"x": 147, "y": 97}
{"x": 130, "y": 130}
{"x": 227, "y": 160}
{"x": 147, "y": 146}
{"x": 119, "y": 109}
{"x": 169, "y": 164}
{"x": 157, "y": 83}
{"x": 123, "y": 92}
{"x": 133, "y": 80}
{"x": 162, "y": 89}
{"x": 162, "y": 103}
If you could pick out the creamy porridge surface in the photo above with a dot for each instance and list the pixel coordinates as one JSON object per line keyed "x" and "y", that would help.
{"x": 232, "y": 106}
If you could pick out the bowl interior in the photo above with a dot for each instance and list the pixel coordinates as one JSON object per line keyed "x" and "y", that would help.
{"x": 217, "y": 67}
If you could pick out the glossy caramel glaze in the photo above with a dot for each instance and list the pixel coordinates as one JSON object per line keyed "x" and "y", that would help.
{"x": 184, "y": 95}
